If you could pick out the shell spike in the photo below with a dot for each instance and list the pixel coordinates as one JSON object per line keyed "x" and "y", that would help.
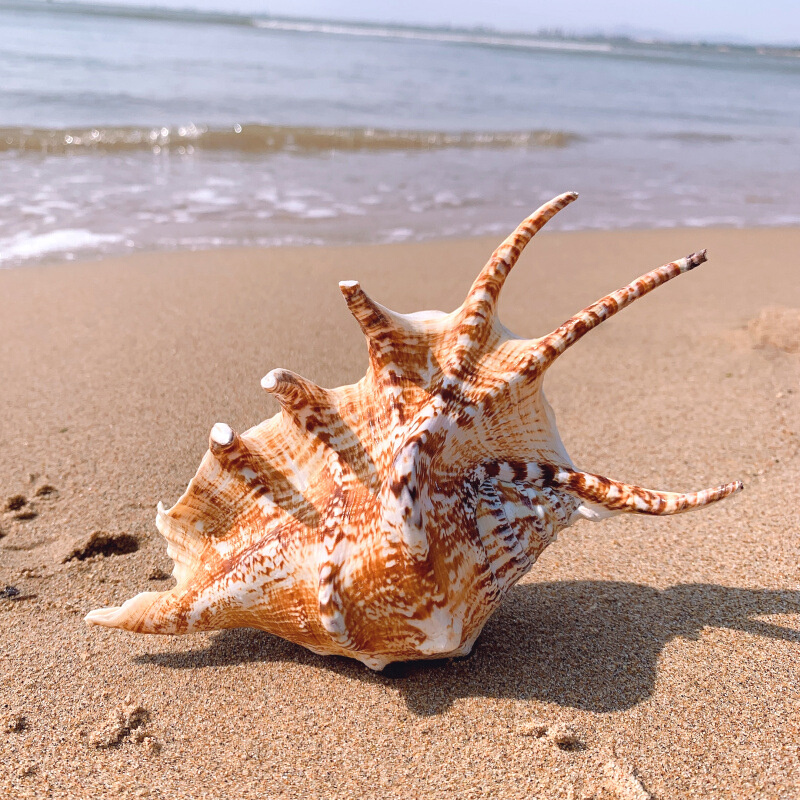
{"x": 615, "y": 496}
{"x": 547, "y": 349}
{"x": 147, "y": 612}
{"x": 486, "y": 288}
{"x": 375, "y": 320}
{"x": 477, "y": 313}
{"x": 298, "y": 396}
{"x": 221, "y": 438}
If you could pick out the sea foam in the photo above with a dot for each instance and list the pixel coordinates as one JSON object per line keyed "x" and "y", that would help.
{"x": 26, "y": 245}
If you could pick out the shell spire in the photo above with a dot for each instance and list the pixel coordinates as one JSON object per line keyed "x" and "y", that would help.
{"x": 386, "y": 520}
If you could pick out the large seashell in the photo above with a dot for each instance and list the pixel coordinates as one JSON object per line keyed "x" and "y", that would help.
{"x": 386, "y": 520}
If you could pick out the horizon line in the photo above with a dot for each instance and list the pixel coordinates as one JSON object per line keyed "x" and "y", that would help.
{"x": 158, "y": 11}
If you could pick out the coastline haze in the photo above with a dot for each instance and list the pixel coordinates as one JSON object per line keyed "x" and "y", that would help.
{"x": 677, "y": 20}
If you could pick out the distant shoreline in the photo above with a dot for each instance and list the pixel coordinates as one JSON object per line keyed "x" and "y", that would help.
{"x": 476, "y": 34}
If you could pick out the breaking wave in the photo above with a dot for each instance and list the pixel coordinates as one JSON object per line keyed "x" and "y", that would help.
{"x": 257, "y": 139}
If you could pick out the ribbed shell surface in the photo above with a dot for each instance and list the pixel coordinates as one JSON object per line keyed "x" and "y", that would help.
{"x": 386, "y": 520}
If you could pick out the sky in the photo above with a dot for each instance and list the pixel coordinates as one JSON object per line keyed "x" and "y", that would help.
{"x": 767, "y": 21}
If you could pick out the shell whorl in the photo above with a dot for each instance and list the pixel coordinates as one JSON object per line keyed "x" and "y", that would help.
{"x": 386, "y": 520}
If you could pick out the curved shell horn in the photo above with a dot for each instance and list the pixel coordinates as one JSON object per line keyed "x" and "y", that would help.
{"x": 479, "y": 309}
{"x": 547, "y": 349}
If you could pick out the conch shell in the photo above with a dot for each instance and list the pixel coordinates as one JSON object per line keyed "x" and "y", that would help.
{"x": 386, "y": 520}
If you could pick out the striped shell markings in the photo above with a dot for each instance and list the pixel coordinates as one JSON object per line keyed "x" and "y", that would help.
{"x": 386, "y": 520}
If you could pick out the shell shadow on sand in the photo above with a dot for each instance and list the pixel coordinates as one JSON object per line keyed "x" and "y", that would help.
{"x": 590, "y": 645}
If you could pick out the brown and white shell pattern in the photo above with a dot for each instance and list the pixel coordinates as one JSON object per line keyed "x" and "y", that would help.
{"x": 386, "y": 520}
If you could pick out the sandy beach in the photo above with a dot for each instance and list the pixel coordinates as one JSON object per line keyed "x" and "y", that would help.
{"x": 670, "y": 647}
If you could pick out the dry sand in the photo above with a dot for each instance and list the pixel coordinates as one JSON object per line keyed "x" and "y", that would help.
{"x": 640, "y": 658}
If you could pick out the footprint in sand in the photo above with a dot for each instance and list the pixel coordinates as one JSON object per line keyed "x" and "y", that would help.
{"x": 777, "y": 328}
{"x": 102, "y": 543}
{"x": 22, "y": 508}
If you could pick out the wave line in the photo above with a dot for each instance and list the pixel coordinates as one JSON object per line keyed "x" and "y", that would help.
{"x": 263, "y": 139}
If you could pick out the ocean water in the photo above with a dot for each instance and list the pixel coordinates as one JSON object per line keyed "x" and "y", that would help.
{"x": 123, "y": 130}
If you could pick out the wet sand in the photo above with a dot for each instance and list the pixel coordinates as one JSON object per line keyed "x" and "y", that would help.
{"x": 669, "y": 647}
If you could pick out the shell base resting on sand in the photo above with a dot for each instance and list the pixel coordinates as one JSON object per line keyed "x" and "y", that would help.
{"x": 386, "y": 520}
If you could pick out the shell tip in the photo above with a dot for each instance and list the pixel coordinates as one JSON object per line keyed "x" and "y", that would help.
{"x": 103, "y": 616}
{"x": 695, "y": 259}
{"x": 221, "y": 434}
{"x": 269, "y": 381}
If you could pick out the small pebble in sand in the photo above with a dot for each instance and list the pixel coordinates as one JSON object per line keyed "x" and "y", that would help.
{"x": 563, "y": 735}
{"x": 560, "y": 734}
{"x": 120, "y": 723}
{"x": 9, "y": 592}
{"x": 28, "y": 572}
{"x": 139, "y": 735}
{"x": 623, "y": 782}
{"x": 26, "y": 769}
{"x": 152, "y": 746}
{"x": 535, "y": 728}
{"x": 14, "y": 722}
{"x": 159, "y": 575}
{"x": 143, "y": 737}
